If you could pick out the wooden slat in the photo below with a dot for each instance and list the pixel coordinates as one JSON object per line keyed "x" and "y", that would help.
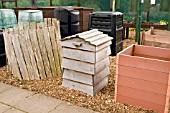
{"x": 49, "y": 50}
{"x": 37, "y": 53}
{"x": 144, "y": 63}
{"x": 33, "y": 25}
{"x": 12, "y": 62}
{"x": 19, "y": 56}
{"x": 26, "y": 25}
{"x": 45, "y": 22}
{"x": 85, "y": 67}
{"x": 55, "y": 50}
{"x": 32, "y": 56}
{"x": 40, "y": 38}
{"x": 49, "y": 22}
{"x": 91, "y": 90}
{"x": 26, "y": 55}
{"x": 85, "y": 78}
{"x": 142, "y": 95}
{"x": 147, "y": 105}
{"x": 140, "y": 84}
{"x": 144, "y": 74}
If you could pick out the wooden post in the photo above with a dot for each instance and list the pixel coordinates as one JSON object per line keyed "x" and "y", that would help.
{"x": 78, "y": 3}
{"x": 51, "y": 2}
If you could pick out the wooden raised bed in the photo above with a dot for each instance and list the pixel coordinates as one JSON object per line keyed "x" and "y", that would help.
{"x": 157, "y": 38}
{"x": 142, "y": 77}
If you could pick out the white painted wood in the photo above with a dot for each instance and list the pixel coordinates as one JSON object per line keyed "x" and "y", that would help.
{"x": 78, "y": 66}
{"x": 103, "y": 45}
{"x": 85, "y": 45}
{"x": 90, "y": 90}
{"x": 78, "y": 86}
{"x": 85, "y": 78}
{"x": 101, "y": 75}
{"x": 102, "y": 64}
{"x": 103, "y": 53}
{"x": 100, "y": 85}
{"x": 86, "y": 56}
{"x": 85, "y": 67}
{"x": 76, "y": 54}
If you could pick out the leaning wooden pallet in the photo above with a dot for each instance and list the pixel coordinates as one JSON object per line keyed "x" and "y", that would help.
{"x": 33, "y": 50}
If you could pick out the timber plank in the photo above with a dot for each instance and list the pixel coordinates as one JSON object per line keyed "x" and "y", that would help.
{"x": 40, "y": 38}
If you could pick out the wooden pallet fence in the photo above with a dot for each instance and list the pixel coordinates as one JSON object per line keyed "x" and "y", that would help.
{"x": 157, "y": 38}
{"x": 34, "y": 50}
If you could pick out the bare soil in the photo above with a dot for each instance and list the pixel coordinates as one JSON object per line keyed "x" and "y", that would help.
{"x": 103, "y": 101}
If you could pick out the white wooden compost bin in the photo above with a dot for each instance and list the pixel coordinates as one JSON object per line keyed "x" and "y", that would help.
{"x": 86, "y": 61}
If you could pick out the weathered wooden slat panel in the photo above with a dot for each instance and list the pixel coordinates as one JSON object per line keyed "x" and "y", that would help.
{"x": 78, "y": 66}
{"x": 32, "y": 56}
{"x": 40, "y": 38}
{"x": 37, "y": 53}
{"x": 49, "y": 50}
{"x": 26, "y": 55}
{"x": 76, "y": 54}
{"x": 103, "y": 45}
{"x": 19, "y": 56}
{"x": 102, "y": 64}
{"x": 11, "y": 56}
{"x": 55, "y": 50}
{"x": 85, "y": 45}
{"x": 33, "y": 25}
{"x": 85, "y": 78}
{"x": 91, "y": 90}
{"x": 101, "y": 54}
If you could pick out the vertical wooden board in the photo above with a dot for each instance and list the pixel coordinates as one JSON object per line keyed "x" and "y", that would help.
{"x": 26, "y": 25}
{"x": 55, "y": 50}
{"x": 26, "y": 55}
{"x": 45, "y": 22}
{"x": 40, "y": 38}
{"x": 78, "y": 66}
{"x": 32, "y": 56}
{"x": 78, "y": 86}
{"x": 33, "y": 25}
{"x": 142, "y": 95}
{"x": 11, "y": 56}
{"x": 136, "y": 102}
{"x": 78, "y": 76}
{"x": 101, "y": 65}
{"x": 49, "y": 22}
{"x": 20, "y": 57}
{"x": 20, "y": 25}
{"x": 40, "y": 25}
{"x": 58, "y": 40}
{"x": 37, "y": 53}
{"x": 101, "y": 54}
{"x": 100, "y": 85}
{"x": 49, "y": 48}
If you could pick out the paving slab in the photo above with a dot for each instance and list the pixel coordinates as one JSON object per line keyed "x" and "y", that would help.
{"x": 38, "y": 103}
{"x": 3, "y": 108}
{"x": 4, "y": 87}
{"x": 14, "y": 95}
{"x": 13, "y": 110}
{"x": 69, "y": 108}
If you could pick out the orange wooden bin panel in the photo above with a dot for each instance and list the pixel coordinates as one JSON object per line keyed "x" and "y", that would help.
{"x": 143, "y": 80}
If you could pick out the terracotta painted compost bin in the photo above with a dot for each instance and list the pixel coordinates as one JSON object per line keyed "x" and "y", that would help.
{"x": 142, "y": 77}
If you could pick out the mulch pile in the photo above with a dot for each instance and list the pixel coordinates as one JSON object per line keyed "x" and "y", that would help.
{"x": 103, "y": 101}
